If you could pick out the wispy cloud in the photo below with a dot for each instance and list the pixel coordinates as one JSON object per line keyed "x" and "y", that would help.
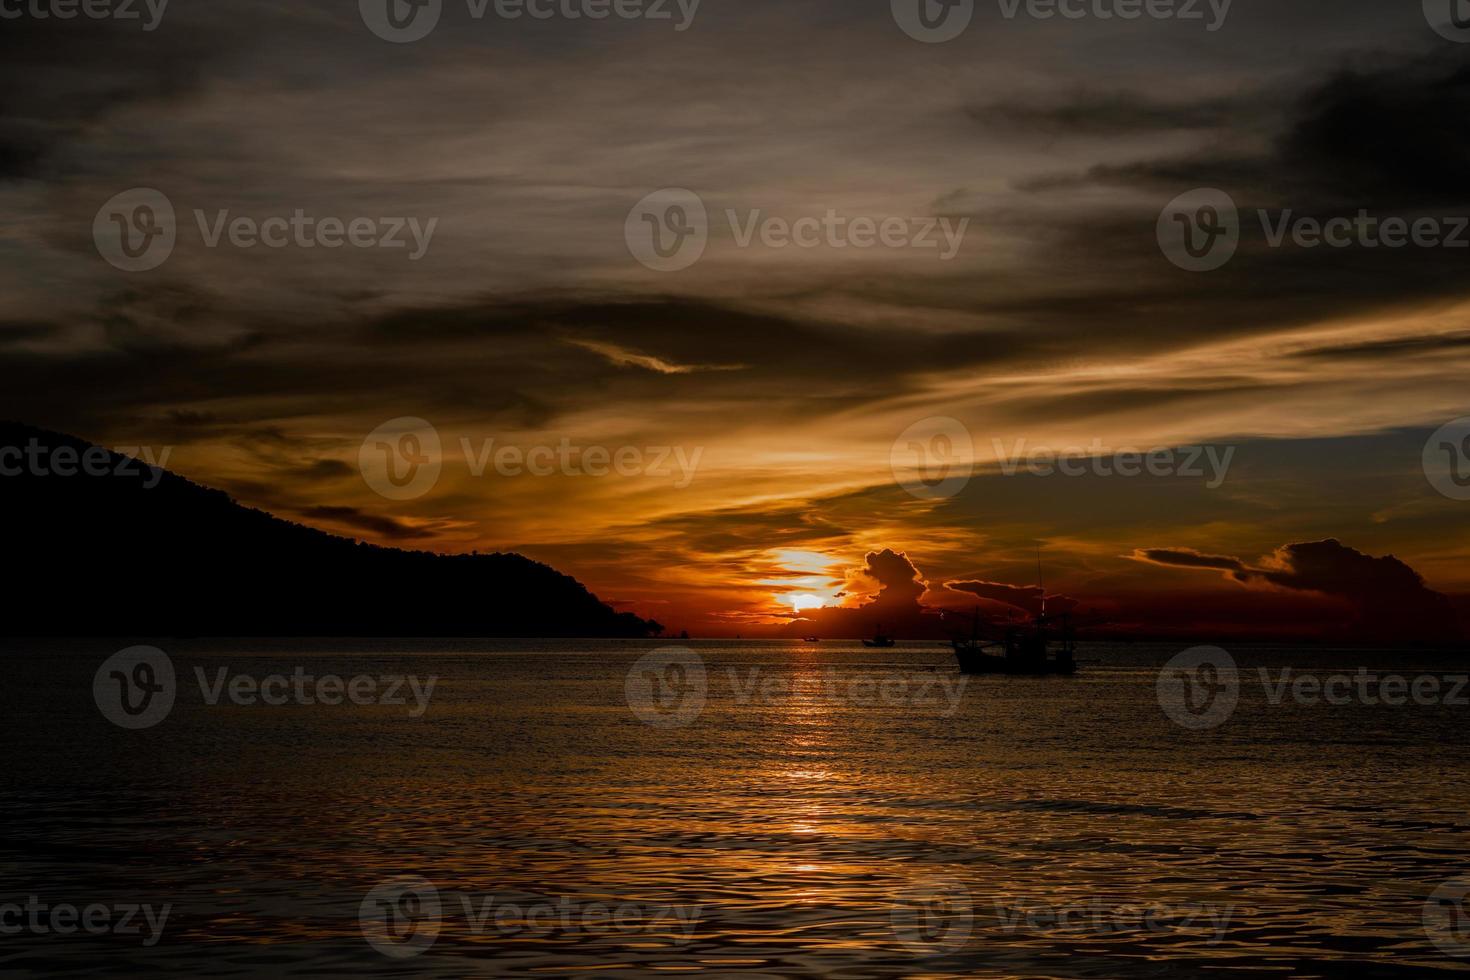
{"x": 623, "y": 357}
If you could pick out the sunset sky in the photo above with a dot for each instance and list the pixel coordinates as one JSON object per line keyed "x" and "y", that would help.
{"x": 786, "y": 374}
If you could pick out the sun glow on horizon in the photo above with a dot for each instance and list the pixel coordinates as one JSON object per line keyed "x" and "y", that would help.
{"x": 803, "y": 601}
{"x": 805, "y": 579}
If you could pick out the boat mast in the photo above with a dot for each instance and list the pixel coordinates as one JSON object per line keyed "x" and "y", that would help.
{"x": 1039, "y": 586}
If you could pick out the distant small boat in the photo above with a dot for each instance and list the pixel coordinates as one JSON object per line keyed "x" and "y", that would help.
{"x": 879, "y": 640}
{"x": 811, "y": 639}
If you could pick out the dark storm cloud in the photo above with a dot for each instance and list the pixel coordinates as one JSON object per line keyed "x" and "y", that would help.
{"x": 18, "y": 331}
{"x": 1388, "y": 598}
{"x": 899, "y": 583}
{"x": 501, "y": 361}
{"x": 1024, "y": 597}
{"x": 681, "y": 330}
{"x": 1334, "y": 568}
{"x": 1381, "y": 132}
{"x": 489, "y": 354}
{"x": 895, "y": 609}
{"x": 1184, "y": 558}
{"x": 1160, "y": 398}
{"x": 1107, "y": 114}
{"x": 1400, "y": 347}
{"x": 59, "y": 77}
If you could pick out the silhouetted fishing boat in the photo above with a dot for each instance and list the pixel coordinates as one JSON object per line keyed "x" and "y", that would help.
{"x": 879, "y": 640}
{"x": 811, "y": 639}
{"x": 1023, "y": 649}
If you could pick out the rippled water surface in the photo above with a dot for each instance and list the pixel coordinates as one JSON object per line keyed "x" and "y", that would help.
{"x": 831, "y": 811}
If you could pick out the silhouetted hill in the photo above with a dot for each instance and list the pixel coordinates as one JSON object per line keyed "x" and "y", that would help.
{"x": 112, "y": 555}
